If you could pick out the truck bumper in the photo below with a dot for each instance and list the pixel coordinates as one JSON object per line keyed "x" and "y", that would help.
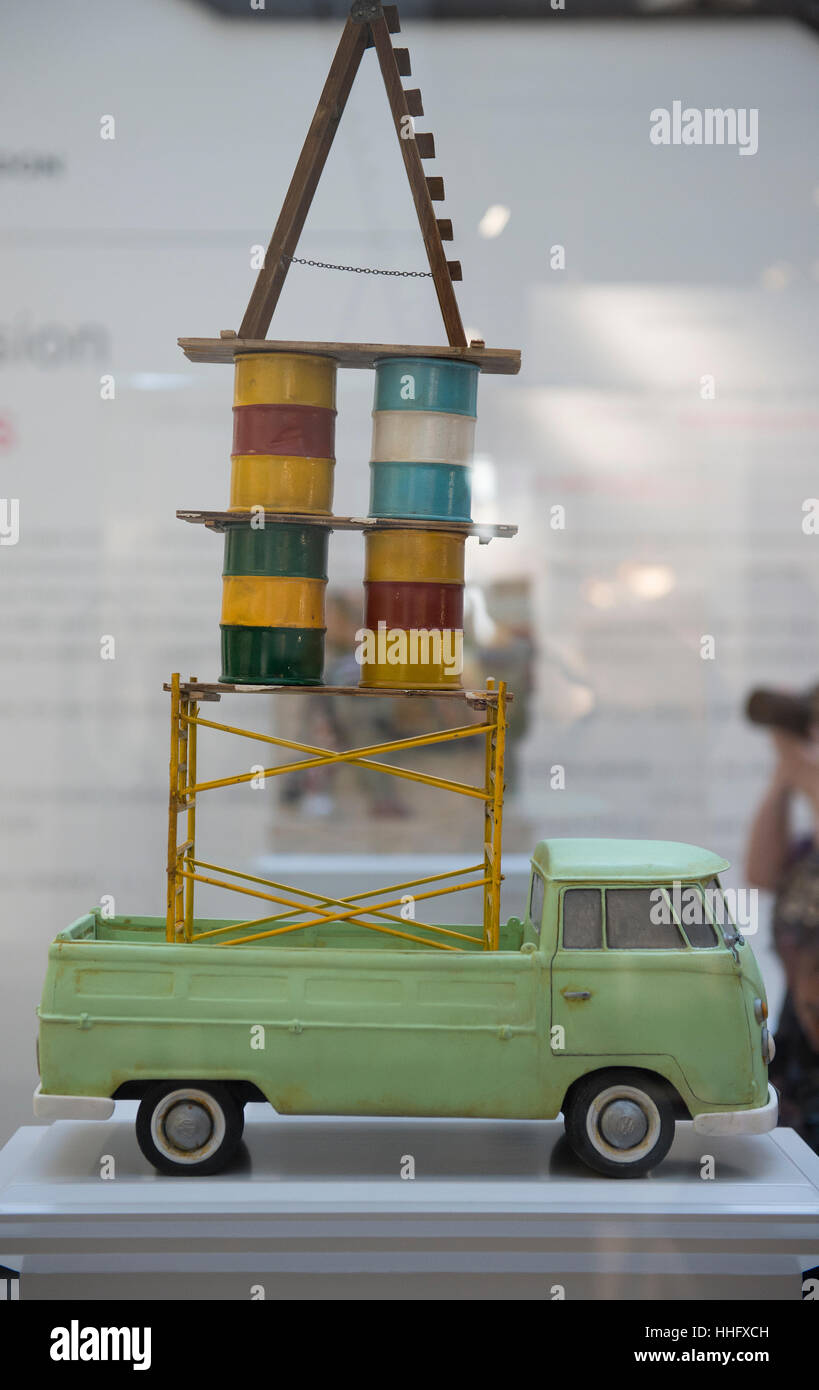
{"x": 72, "y": 1107}
{"x": 757, "y": 1121}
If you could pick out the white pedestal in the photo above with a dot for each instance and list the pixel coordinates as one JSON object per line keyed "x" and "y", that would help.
{"x": 316, "y": 1208}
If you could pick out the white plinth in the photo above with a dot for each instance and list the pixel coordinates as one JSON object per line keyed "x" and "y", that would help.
{"x": 316, "y": 1208}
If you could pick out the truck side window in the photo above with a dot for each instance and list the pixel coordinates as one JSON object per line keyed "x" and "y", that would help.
{"x": 629, "y": 922}
{"x": 536, "y": 894}
{"x": 582, "y": 919}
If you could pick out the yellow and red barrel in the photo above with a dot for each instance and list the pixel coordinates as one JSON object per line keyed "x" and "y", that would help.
{"x": 275, "y": 575}
{"x": 414, "y": 603}
{"x": 273, "y": 585}
{"x": 284, "y": 415}
{"x": 423, "y": 438}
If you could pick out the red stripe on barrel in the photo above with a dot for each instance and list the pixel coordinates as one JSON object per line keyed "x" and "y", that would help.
{"x": 410, "y": 606}
{"x": 301, "y": 431}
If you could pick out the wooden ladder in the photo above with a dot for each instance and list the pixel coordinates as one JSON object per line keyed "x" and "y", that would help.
{"x": 369, "y": 25}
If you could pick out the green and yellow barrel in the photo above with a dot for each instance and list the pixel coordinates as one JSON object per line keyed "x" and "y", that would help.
{"x": 273, "y": 584}
{"x": 413, "y": 615}
{"x": 423, "y": 437}
{"x": 284, "y": 414}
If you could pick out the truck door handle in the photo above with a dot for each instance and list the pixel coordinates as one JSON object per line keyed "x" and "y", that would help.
{"x": 576, "y": 993}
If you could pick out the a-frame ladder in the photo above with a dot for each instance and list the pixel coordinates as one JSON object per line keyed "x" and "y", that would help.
{"x": 369, "y": 25}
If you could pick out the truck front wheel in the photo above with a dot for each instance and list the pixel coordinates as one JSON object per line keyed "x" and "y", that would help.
{"x": 621, "y": 1123}
{"x": 189, "y": 1126}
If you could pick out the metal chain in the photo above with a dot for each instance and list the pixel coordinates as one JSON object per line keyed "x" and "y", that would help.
{"x": 359, "y": 269}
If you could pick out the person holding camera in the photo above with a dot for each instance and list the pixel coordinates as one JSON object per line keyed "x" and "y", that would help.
{"x": 788, "y": 866}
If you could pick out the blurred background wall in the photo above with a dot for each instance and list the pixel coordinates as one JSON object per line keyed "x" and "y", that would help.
{"x": 683, "y": 513}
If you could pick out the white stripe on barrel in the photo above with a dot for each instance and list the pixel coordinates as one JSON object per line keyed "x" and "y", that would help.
{"x": 422, "y": 436}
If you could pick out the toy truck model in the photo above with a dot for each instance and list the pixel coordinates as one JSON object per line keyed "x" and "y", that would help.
{"x": 606, "y": 1002}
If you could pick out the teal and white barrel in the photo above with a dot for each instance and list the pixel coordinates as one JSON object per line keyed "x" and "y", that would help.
{"x": 423, "y": 438}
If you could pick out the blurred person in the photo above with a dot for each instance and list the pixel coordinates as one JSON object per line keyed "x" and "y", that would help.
{"x": 795, "y": 1068}
{"x": 788, "y": 866}
{"x": 361, "y": 722}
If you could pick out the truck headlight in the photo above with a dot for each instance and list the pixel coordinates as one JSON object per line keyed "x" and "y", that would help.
{"x": 760, "y": 1010}
{"x": 768, "y": 1047}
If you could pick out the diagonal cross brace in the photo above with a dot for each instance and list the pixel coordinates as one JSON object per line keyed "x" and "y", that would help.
{"x": 359, "y": 756}
{"x": 299, "y": 909}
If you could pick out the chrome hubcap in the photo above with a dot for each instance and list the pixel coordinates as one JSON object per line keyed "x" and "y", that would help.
{"x": 623, "y": 1124}
{"x": 188, "y": 1126}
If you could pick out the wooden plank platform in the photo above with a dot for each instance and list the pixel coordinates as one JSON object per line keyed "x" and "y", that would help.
{"x": 220, "y": 521}
{"x": 494, "y": 361}
{"x": 205, "y": 691}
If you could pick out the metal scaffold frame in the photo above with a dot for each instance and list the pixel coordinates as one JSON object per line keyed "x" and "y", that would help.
{"x": 185, "y": 870}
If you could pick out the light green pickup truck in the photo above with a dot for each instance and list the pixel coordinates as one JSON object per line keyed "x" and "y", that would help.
{"x": 606, "y": 1002}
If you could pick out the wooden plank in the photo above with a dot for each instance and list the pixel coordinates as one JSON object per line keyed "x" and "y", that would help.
{"x": 398, "y": 99}
{"x": 412, "y": 98}
{"x": 492, "y": 361}
{"x": 220, "y": 520}
{"x": 305, "y": 179}
{"x": 213, "y": 690}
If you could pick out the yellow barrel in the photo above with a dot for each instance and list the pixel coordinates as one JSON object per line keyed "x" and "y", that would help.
{"x": 281, "y": 484}
{"x": 413, "y": 633}
{"x": 284, "y": 378}
{"x": 414, "y": 556}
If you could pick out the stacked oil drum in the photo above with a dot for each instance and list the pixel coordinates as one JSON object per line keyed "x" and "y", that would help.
{"x": 423, "y": 435}
{"x": 275, "y": 573}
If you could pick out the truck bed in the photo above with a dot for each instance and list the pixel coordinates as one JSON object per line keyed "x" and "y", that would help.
{"x": 150, "y": 931}
{"x": 315, "y": 1026}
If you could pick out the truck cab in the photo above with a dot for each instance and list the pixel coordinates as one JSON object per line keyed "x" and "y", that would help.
{"x": 657, "y": 1003}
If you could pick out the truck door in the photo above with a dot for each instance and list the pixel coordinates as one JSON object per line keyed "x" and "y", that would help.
{"x": 627, "y": 987}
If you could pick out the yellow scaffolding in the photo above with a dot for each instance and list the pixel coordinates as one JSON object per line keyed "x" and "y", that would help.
{"x": 185, "y": 870}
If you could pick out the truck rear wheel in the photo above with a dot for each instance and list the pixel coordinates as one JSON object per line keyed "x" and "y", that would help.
{"x": 621, "y": 1123}
{"x": 191, "y": 1127}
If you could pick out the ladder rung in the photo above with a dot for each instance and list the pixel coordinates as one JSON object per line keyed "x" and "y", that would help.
{"x": 180, "y": 849}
